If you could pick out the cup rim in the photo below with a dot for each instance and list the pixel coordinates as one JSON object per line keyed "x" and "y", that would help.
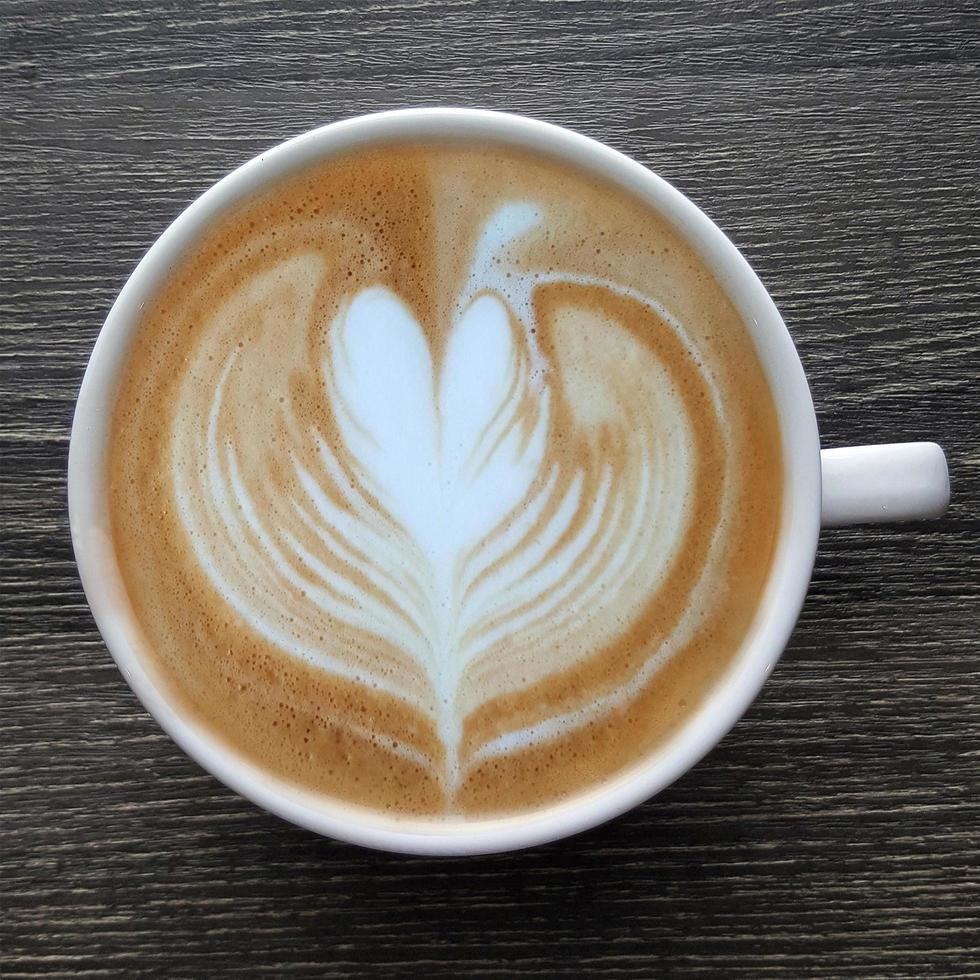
{"x": 702, "y": 730}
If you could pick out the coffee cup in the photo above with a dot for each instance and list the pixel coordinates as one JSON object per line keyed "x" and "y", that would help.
{"x": 820, "y": 488}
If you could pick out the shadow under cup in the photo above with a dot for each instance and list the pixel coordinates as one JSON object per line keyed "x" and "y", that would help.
{"x": 798, "y": 520}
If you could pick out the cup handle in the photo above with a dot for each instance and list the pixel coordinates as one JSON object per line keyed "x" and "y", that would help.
{"x": 904, "y": 481}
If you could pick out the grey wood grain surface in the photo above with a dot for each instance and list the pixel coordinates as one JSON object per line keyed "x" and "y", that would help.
{"x": 834, "y": 832}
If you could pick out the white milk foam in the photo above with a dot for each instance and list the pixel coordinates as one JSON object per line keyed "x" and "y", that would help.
{"x": 438, "y": 525}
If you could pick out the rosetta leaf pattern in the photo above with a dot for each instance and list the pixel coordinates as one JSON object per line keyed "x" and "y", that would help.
{"x": 435, "y": 545}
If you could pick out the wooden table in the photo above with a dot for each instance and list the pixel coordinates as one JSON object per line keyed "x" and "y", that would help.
{"x": 834, "y": 832}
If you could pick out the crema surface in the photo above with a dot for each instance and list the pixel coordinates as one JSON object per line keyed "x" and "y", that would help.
{"x": 444, "y": 480}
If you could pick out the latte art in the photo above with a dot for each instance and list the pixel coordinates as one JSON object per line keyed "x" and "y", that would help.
{"x": 427, "y": 500}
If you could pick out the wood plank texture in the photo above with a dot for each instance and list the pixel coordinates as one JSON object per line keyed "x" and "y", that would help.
{"x": 835, "y": 831}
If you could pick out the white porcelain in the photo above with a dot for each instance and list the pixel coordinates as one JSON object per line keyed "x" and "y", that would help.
{"x": 866, "y": 483}
{"x": 903, "y": 481}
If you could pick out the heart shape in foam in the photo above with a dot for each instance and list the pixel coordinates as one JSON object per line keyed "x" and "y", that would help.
{"x": 458, "y": 527}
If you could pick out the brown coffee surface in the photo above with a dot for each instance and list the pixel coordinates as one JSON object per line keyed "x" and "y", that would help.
{"x": 444, "y": 479}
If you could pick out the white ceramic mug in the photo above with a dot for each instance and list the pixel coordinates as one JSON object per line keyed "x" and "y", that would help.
{"x": 838, "y": 486}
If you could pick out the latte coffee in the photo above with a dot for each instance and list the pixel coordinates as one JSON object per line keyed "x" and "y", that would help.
{"x": 444, "y": 480}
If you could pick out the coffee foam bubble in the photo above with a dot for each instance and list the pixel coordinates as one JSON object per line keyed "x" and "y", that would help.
{"x": 471, "y": 478}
